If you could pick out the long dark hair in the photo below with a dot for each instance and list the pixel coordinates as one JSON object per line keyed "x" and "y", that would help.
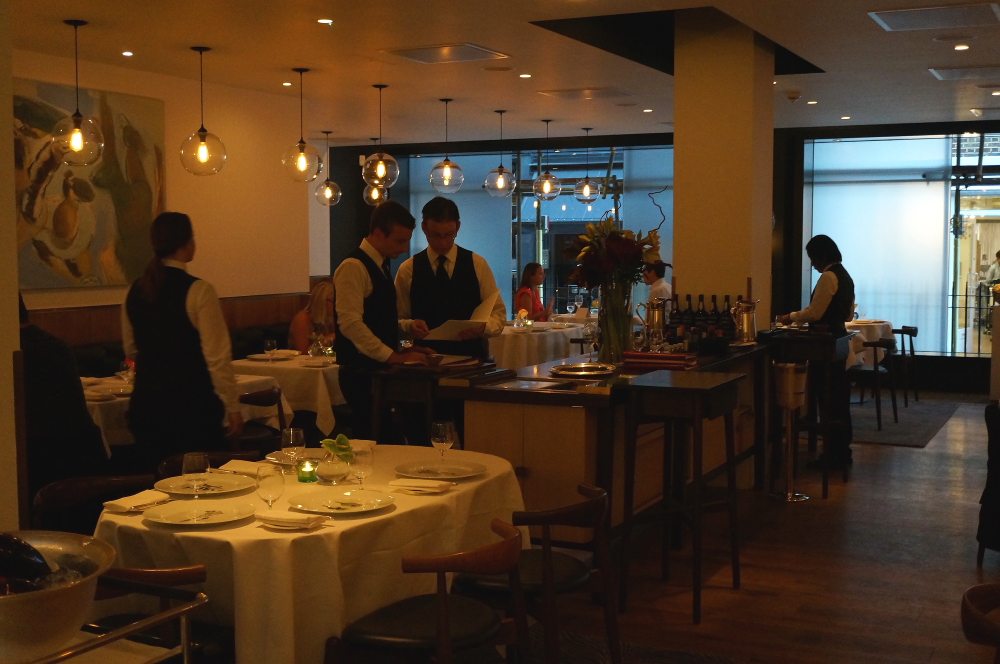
{"x": 528, "y": 273}
{"x": 822, "y": 251}
{"x": 170, "y": 232}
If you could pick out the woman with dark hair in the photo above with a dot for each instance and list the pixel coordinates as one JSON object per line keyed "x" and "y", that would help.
{"x": 527, "y": 297}
{"x": 172, "y": 326}
{"x": 830, "y": 307}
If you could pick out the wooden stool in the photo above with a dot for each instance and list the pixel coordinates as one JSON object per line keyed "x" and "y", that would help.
{"x": 686, "y": 399}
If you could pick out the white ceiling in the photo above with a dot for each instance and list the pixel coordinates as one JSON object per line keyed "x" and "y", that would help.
{"x": 874, "y": 76}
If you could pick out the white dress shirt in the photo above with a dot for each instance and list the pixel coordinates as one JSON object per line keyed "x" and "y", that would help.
{"x": 487, "y": 286}
{"x": 993, "y": 272}
{"x": 351, "y": 285}
{"x": 826, "y": 288}
{"x": 660, "y": 288}
{"x": 205, "y": 313}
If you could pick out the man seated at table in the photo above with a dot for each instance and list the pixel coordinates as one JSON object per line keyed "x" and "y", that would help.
{"x": 367, "y": 321}
{"x": 62, "y": 440}
{"x": 447, "y": 282}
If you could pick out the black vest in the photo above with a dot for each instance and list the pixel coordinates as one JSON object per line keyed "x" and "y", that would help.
{"x": 169, "y": 363}
{"x": 435, "y": 301}
{"x": 379, "y": 316}
{"x": 840, "y": 306}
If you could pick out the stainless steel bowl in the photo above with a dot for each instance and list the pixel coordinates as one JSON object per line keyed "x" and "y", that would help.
{"x": 37, "y": 623}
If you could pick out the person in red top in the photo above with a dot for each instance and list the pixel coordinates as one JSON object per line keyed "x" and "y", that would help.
{"x": 527, "y": 297}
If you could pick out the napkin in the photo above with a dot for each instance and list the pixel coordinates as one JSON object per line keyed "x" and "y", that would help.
{"x": 139, "y": 501}
{"x": 286, "y": 519}
{"x": 95, "y": 395}
{"x": 423, "y": 485}
{"x": 287, "y": 352}
{"x": 242, "y": 467}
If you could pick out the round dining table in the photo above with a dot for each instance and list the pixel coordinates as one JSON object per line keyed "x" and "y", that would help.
{"x": 308, "y": 383}
{"x": 287, "y": 591}
{"x": 521, "y": 347}
{"x": 867, "y": 330}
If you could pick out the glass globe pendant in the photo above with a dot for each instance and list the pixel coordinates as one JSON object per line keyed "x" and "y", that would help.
{"x": 302, "y": 161}
{"x": 587, "y": 190}
{"x": 78, "y": 140}
{"x": 328, "y": 192}
{"x": 546, "y": 186}
{"x": 500, "y": 182}
{"x": 446, "y": 176}
{"x": 380, "y": 169}
{"x": 202, "y": 153}
{"x": 375, "y": 195}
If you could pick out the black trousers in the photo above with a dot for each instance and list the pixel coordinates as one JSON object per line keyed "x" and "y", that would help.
{"x": 356, "y": 384}
{"x": 163, "y": 427}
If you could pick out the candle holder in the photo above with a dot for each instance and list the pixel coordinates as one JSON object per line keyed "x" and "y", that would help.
{"x": 306, "y": 470}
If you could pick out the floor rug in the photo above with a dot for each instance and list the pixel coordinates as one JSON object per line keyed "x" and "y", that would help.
{"x": 917, "y": 424}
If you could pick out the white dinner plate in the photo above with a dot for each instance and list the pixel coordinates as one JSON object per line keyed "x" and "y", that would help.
{"x": 262, "y": 357}
{"x": 341, "y": 501}
{"x": 437, "y": 471}
{"x": 199, "y": 512}
{"x": 280, "y": 458}
{"x": 216, "y": 485}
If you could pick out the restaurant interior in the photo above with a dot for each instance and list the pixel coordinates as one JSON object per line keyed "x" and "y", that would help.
{"x": 737, "y": 130}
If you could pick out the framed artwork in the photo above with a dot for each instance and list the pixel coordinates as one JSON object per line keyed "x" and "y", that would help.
{"x": 85, "y": 226}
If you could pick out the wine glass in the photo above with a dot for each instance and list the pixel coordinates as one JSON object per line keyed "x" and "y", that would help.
{"x": 270, "y": 483}
{"x": 570, "y": 308}
{"x": 363, "y": 462}
{"x": 442, "y": 436}
{"x": 270, "y": 348}
{"x": 126, "y": 372}
{"x": 578, "y": 301}
{"x": 194, "y": 468}
{"x": 293, "y": 444}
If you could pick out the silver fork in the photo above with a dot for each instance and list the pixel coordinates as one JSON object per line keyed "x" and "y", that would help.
{"x": 208, "y": 514}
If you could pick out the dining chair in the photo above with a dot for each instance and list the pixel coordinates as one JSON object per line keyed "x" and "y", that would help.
{"x": 171, "y": 466}
{"x": 257, "y": 435}
{"x": 906, "y": 361}
{"x": 865, "y": 375}
{"x": 544, "y": 573}
{"x": 980, "y": 616}
{"x": 441, "y": 623}
{"x": 74, "y": 504}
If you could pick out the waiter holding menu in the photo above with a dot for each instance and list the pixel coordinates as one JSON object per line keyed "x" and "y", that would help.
{"x": 451, "y": 288}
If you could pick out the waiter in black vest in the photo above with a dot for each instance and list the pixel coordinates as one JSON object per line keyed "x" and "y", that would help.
{"x": 172, "y": 325}
{"x": 831, "y": 306}
{"x": 365, "y": 302}
{"x": 446, "y": 282}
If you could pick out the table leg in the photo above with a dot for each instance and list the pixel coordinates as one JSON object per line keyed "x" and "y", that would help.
{"x": 697, "y": 486}
{"x": 734, "y": 537}
{"x": 631, "y": 426}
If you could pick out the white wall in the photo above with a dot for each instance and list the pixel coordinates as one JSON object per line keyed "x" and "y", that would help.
{"x": 252, "y": 222}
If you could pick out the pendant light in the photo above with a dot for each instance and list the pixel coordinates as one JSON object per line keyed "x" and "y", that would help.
{"x": 500, "y": 182}
{"x": 446, "y": 176}
{"x": 302, "y": 161}
{"x": 202, "y": 153}
{"x": 375, "y": 194}
{"x": 546, "y": 186}
{"x": 78, "y": 139}
{"x": 380, "y": 169}
{"x": 328, "y": 192}
{"x": 587, "y": 191}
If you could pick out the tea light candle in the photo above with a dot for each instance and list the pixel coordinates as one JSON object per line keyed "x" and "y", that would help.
{"x": 306, "y": 470}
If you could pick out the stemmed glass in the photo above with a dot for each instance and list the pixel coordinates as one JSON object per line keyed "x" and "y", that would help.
{"x": 578, "y": 300}
{"x": 293, "y": 444}
{"x": 270, "y": 484}
{"x": 363, "y": 462}
{"x": 126, "y": 372}
{"x": 270, "y": 348}
{"x": 194, "y": 468}
{"x": 442, "y": 436}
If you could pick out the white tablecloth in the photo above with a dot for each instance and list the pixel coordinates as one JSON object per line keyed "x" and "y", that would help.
{"x": 110, "y": 415}
{"x": 513, "y": 350}
{"x": 867, "y": 330}
{"x": 286, "y": 592}
{"x": 306, "y": 388}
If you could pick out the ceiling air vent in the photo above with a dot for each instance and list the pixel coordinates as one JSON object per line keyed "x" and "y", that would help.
{"x": 965, "y": 73}
{"x": 436, "y": 55}
{"x": 938, "y": 18}
{"x": 585, "y": 93}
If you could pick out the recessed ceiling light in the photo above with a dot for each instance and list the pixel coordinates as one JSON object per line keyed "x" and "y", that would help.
{"x": 961, "y": 47}
{"x": 995, "y": 93}
{"x": 325, "y": 21}
{"x": 647, "y": 110}
{"x": 812, "y": 102}
{"x": 774, "y": 82}
{"x": 525, "y": 75}
{"x": 128, "y": 54}
{"x": 845, "y": 117}
{"x": 287, "y": 84}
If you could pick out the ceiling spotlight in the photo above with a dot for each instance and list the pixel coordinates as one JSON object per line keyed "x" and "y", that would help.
{"x": 812, "y": 102}
{"x": 525, "y": 75}
{"x": 647, "y": 110}
{"x": 845, "y": 117}
{"x": 325, "y": 21}
{"x": 995, "y": 93}
{"x": 961, "y": 47}
{"x": 128, "y": 54}
{"x": 286, "y": 84}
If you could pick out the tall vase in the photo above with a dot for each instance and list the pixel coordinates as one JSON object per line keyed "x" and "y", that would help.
{"x": 615, "y": 320}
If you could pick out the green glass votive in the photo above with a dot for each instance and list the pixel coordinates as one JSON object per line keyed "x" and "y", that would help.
{"x": 306, "y": 470}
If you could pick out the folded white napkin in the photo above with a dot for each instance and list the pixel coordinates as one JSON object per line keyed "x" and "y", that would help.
{"x": 284, "y": 518}
{"x": 242, "y": 467}
{"x": 139, "y": 501}
{"x": 287, "y": 352}
{"x": 423, "y": 485}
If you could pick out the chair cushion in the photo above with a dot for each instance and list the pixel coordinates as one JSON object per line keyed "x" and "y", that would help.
{"x": 412, "y": 623}
{"x": 569, "y": 573}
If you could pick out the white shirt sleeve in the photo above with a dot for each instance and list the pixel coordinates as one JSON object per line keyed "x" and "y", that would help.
{"x": 205, "y": 313}
{"x": 404, "y": 280}
{"x": 826, "y": 287}
{"x": 351, "y": 285}
{"x": 488, "y": 286}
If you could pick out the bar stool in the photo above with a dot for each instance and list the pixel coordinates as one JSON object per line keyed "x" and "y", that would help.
{"x": 685, "y": 399}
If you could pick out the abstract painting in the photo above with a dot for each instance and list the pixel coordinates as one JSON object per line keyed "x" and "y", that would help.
{"x": 85, "y": 226}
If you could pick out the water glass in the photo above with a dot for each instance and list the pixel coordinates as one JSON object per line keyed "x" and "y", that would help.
{"x": 270, "y": 483}
{"x": 270, "y": 348}
{"x": 194, "y": 468}
{"x": 293, "y": 443}
{"x": 126, "y": 371}
{"x": 570, "y": 308}
{"x": 363, "y": 462}
{"x": 442, "y": 436}
{"x": 332, "y": 469}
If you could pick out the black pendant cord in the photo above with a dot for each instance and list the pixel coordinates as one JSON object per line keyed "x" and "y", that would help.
{"x": 500, "y": 113}
{"x": 446, "y": 102}
{"x": 301, "y": 132}
{"x": 201, "y": 86}
{"x": 76, "y": 63}
{"x": 587, "y": 153}
{"x": 545, "y": 152}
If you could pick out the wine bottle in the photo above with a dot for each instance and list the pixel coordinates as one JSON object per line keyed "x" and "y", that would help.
{"x": 727, "y": 317}
{"x": 688, "y": 315}
{"x": 714, "y": 318}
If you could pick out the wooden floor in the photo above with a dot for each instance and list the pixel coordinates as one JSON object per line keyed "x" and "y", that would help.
{"x": 873, "y": 574}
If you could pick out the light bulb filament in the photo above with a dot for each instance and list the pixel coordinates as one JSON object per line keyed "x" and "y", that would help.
{"x": 501, "y": 182}
{"x": 380, "y": 169}
{"x": 546, "y": 186}
{"x": 76, "y": 140}
{"x": 327, "y": 192}
{"x": 202, "y": 152}
{"x": 302, "y": 162}
{"x": 586, "y": 189}
{"x": 375, "y": 194}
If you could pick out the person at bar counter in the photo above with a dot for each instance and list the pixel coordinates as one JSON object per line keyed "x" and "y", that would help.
{"x": 447, "y": 282}
{"x": 830, "y": 307}
{"x": 62, "y": 440}
{"x": 652, "y": 274}
{"x": 527, "y": 297}
{"x": 172, "y": 326}
{"x": 993, "y": 271}
{"x": 315, "y": 321}
{"x": 365, "y": 305}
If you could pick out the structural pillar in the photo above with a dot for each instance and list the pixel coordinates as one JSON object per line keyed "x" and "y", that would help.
{"x": 723, "y": 153}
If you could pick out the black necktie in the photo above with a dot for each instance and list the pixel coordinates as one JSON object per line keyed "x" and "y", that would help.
{"x": 385, "y": 269}
{"x": 441, "y": 274}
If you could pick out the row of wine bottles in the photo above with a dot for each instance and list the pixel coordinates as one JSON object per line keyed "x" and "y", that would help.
{"x": 701, "y": 320}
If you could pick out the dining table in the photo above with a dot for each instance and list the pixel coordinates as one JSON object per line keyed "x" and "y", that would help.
{"x": 108, "y": 401}
{"x": 542, "y": 342}
{"x": 867, "y": 330}
{"x": 287, "y": 591}
{"x": 308, "y": 383}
